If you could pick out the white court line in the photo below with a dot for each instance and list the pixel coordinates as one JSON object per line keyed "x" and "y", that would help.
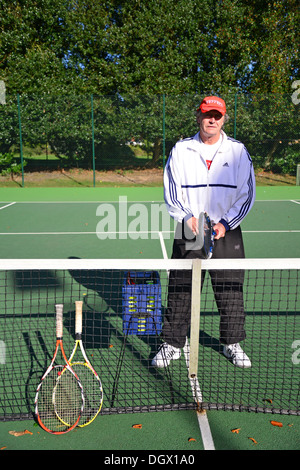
{"x": 271, "y": 231}
{"x": 275, "y": 200}
{"x": 160, "y": 234}
{"x": 55, "y": 233}
{"x": 2, "y": 352}
{"x": 102, "y": 201}
{"x": 7, "y": 205}
{"x": 206, "y": 434}
{"x": 151, "y": 233}
{"x": 296, "y": 202}
{"x": 128, "y": 201}
{"x": 207, "y": 439}
{"x": 163, "y": 246}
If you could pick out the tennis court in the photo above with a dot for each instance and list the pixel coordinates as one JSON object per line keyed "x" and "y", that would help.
{"x": 116, "y": 224}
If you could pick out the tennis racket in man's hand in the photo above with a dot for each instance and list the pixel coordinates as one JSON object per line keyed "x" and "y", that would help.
{"x": 92, "y": 387}
{"x": 199, "y": 235}
{"x": 206, "y": 235}
{"x": 59, "y": 400}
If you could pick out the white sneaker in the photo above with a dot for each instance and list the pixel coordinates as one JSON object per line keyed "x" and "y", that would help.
{"x": 165, "y": 355}
{"x": 238, "y": 357}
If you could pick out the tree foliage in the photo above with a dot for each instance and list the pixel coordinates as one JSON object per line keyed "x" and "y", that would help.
{"x": 152, "y": 47}
{"x": 57, "y": 53}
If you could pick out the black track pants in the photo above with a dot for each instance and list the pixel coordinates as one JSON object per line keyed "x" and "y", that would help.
{"x": 227, "y": 287}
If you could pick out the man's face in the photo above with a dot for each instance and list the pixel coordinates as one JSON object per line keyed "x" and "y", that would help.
{"x": 211, "y": 124}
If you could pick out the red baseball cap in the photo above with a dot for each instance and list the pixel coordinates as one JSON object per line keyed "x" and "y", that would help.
{"x": 212, "y": 102}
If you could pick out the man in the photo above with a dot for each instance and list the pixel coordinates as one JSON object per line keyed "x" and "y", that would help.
{"x": 209, "y": 172}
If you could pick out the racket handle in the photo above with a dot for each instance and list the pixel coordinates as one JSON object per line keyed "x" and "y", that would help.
{"x": 59, "y": 320}
{"x": 78, "y": 320}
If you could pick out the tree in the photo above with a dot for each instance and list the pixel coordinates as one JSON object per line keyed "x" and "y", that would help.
{"x": 34, "y": 43}
{"x": 149, "y": 47}
{"x": 275, "y": 46}
{"x": 130, "y": 53}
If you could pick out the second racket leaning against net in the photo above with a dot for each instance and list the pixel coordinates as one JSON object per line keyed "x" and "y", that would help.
{"x": 59, "y": 400}
{"x": 92, "y": 386}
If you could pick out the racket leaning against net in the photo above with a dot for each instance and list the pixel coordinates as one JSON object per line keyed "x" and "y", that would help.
{"x": 58, "y": 401}
{"x": 92, "y": 386}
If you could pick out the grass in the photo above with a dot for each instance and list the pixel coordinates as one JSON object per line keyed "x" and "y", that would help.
{"x": 117, "y": 178}
{"x": 44, "y": 170}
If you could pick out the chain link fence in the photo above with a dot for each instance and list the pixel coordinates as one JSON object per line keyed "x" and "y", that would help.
{"x": 47, "y": 133}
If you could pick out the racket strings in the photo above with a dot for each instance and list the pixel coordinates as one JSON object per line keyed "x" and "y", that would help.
{"x": 92, "y": 389}
{"x": 60, "y": 400}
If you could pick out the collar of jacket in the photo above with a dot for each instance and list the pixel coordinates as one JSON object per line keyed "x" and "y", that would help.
{"x": 194, "y": 143}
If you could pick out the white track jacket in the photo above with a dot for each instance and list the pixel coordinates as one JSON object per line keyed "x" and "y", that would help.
{"x": 226, "y": 191}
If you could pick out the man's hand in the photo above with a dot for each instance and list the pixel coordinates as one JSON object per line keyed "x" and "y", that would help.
{"x": 192, "y": 224}
{"x": 220, "y": 231}
{"x": 219, "y": 228}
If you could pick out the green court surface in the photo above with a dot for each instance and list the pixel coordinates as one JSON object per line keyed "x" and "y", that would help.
{"x": 63, "y": 223}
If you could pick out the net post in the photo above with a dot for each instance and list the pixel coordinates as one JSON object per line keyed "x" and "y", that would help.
{"x": 195, "y": 317}
{"x": 93, "y": 140}
{"x": 21, "y": 142}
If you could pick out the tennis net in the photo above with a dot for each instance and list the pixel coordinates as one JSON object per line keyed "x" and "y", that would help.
{"x": 125, "y": 303}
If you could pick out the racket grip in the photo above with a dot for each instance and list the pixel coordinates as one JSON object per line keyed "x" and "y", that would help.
{"x": 59, "y": 320}
{"x": 78, "y": 317}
